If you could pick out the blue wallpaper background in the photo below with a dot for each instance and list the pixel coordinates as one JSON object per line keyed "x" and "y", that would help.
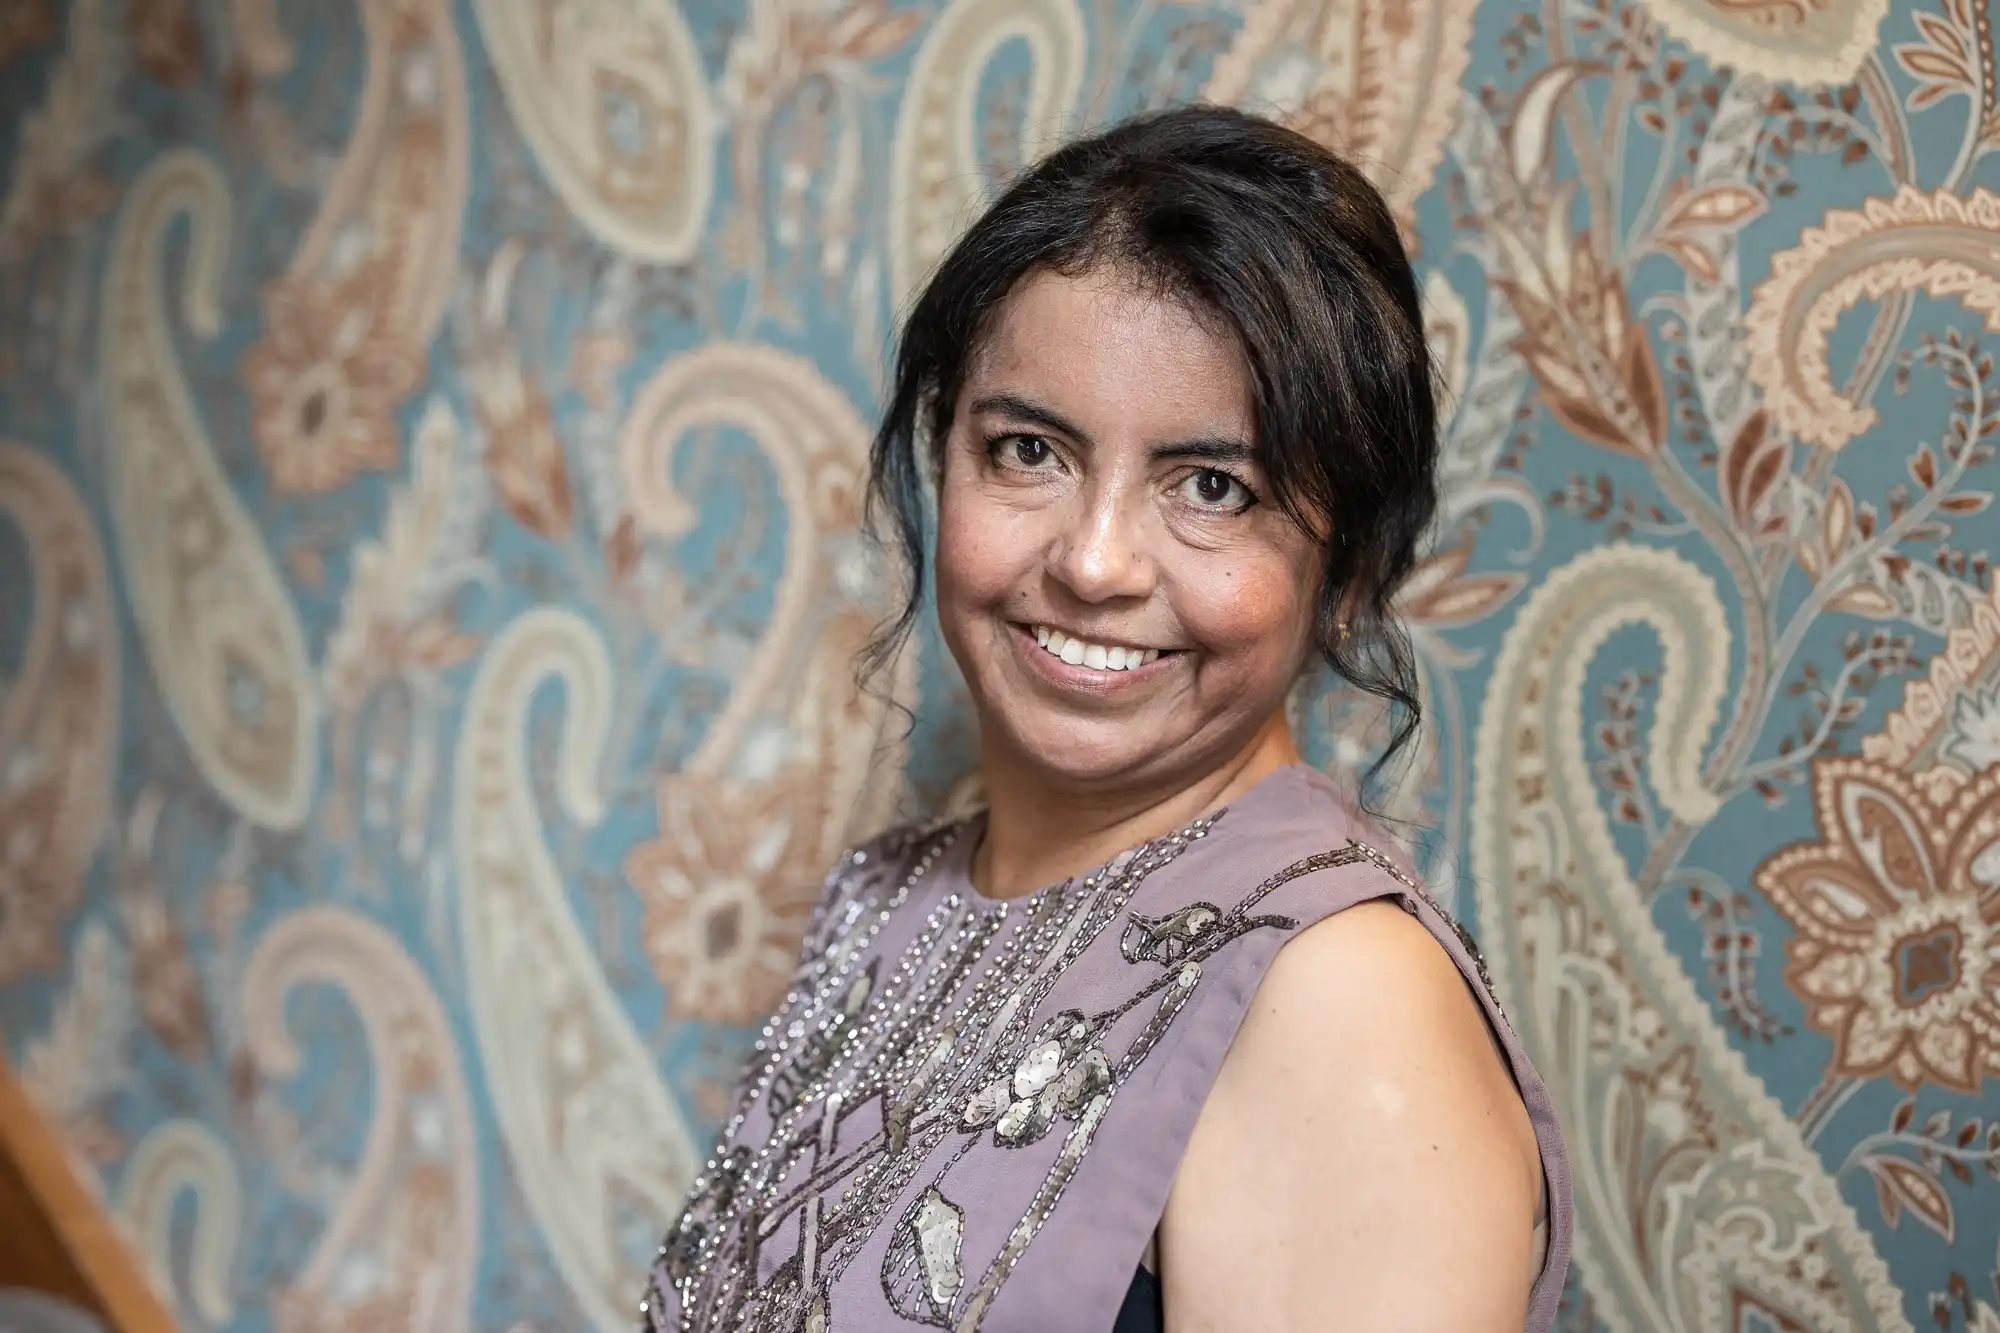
{"x": 431, "y": 441}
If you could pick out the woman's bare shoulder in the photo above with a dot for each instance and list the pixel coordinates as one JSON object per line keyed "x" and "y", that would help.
{"x": 1366, "y": 1004}
{"x": 1364, "y": 1142}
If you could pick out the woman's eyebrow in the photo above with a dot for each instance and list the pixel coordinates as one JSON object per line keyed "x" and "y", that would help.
{"x": 1020, "y": 408}
{"x": 1206, "y": 448}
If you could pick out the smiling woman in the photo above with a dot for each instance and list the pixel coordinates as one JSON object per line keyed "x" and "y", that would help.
{"x": 1100, "y": 491}
{"x": 1167, "y": 1035}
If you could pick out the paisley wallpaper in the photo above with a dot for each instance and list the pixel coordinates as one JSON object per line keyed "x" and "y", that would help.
{"x": 431, "y": 434}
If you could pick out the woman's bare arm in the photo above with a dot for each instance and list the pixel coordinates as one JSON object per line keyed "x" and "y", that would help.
{"x": 1363, "y": 1163}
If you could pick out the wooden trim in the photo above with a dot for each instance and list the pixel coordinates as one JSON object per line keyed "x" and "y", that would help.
{"x": 101, "y": 1260}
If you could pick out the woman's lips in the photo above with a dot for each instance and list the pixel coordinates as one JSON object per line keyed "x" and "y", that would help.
{"x": 1052, "y": 650}
{"x": 1077, "y": 651}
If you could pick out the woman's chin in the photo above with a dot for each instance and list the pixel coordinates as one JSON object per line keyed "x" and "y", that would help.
{"x": 1070, "y": 754}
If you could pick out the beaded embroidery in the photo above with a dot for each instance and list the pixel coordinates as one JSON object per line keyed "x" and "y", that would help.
{"x": 943, "y": 1040}
{"x": 1417, "y": 887}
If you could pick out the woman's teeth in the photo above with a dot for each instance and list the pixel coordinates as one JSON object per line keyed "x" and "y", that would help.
{"x": 1096, "y": 656}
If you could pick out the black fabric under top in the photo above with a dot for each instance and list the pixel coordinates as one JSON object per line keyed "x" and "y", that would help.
{"x": 1142, "y": 1311}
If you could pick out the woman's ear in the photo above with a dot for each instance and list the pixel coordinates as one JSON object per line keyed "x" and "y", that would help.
{"x": 1348, "y": 607}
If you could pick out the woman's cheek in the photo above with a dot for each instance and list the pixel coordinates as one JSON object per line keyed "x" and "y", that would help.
{"x": 972, "y": 550}
{"x": 989, "y": 543}
{"x": 1245, "y": 608}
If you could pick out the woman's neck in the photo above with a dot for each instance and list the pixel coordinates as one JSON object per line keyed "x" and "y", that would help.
{"x": 1040, "y": 831}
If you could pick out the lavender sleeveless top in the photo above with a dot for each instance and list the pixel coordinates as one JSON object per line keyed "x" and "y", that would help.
{"x": 968, "y": 1113}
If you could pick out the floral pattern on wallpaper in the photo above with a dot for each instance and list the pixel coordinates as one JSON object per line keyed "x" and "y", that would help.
{"x": 432, "y": 438}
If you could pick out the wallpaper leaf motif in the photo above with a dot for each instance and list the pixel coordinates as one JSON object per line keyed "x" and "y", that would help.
{"x": 53, "y": 182}
{"x": 429, "y": 497}
{"x": 56, "y": 731}
{"x": 84, "y": 1056}
{"x": 1824, "y": 41}
{"x": 398, "y": 621}
{"x": 347, "y": 324}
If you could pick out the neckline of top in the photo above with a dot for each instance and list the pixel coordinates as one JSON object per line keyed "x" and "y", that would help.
{"x": 955, "y": 865}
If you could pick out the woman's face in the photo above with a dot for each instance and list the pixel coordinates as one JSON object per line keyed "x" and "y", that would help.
{"x": 1125, "y": 602}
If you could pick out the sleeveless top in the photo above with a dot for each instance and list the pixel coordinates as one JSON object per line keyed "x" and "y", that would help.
{"x": 968, "y": 1113}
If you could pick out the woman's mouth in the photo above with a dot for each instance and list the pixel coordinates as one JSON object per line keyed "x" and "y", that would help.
{"x": 1078, "y": 652}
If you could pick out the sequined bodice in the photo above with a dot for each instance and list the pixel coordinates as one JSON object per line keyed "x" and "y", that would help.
{"x": 967, "y": 1113}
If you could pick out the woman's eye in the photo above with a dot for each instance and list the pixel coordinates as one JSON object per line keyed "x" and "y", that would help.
{"x": 1213, "y": 489}
{"x": 1029, "y": 451}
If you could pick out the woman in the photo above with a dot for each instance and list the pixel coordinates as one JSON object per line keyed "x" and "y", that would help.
{"x": 1166, "y": 1026}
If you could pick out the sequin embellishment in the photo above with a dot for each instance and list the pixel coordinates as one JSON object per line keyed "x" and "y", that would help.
{"x": 1167, "y": 939}
{"x": 1423, "y": 893}
{"x": 922, "y": 1274}
{"x": 886, "y": 1068}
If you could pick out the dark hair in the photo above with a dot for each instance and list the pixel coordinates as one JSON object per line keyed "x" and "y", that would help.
{"x": 1296, "y": 252}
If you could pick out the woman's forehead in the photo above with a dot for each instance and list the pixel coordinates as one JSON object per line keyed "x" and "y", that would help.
{"x": 1095, "y": 344}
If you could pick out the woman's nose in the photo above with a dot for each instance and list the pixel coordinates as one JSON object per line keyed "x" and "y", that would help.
{"x": 1100, "y": 555}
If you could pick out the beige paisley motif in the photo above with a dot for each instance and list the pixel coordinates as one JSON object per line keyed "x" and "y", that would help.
{"x": 612, "y": 97}
{"x": 1947, "y": 728}
{"x": 1697, "y": 1197}
{"x": 398, "y": 1256}
{"x": 938, "y": 180}
{"x": 1787, "y": 41}
{"x": 599, "y": 1147}
{"x": 185, "y": 1157}
{"x": 1373, "y": 79}
{"x": 1938, "y": 243}
{"x": 220, "y": 632}
{"x": 593, "y": 1133}
{"x": 799, "y": 764}
{"x": 58, "y": 716}
{"x": 816, "y": 443}
{"x": 347, "y": 325}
